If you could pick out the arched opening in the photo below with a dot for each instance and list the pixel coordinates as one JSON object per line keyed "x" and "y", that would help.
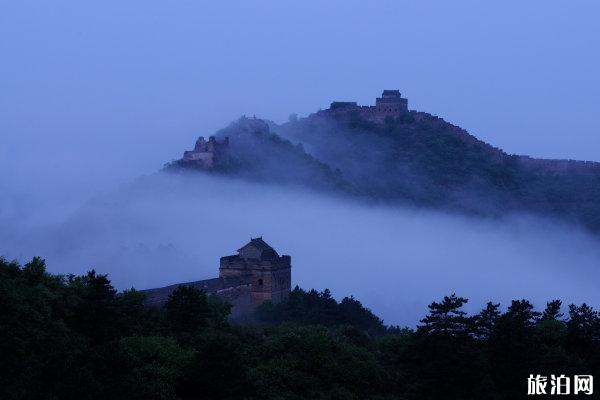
{"x": 260, "y": 282}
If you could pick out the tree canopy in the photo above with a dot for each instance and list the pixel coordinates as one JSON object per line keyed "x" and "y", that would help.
{"x": 75, "y": 337}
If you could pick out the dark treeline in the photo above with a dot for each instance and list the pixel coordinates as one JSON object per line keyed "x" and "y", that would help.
{"x": 74, "y": 337}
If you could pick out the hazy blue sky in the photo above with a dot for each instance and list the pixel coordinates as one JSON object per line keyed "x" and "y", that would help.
{"x": 136, "y": 81}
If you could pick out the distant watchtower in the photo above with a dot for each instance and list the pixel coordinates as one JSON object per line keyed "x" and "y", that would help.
{"x": 207, "y": 154}
{"x": 391, "y": 103}
{"x": 258, "y": 264}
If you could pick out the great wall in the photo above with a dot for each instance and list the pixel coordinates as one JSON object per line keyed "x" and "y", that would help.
{"x": 246, "y": 280}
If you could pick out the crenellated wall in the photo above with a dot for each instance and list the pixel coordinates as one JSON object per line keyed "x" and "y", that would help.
{"x": 390, "y": 104}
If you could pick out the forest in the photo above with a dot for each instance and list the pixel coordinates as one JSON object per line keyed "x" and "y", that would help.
{"x": 76, "y": 337}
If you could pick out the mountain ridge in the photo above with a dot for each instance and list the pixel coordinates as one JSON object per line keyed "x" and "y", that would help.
{"x": 408, "y": 157}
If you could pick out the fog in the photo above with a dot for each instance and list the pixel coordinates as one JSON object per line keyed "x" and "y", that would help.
{"x": 163, "y": 228}
{"x": 93, "y": 95}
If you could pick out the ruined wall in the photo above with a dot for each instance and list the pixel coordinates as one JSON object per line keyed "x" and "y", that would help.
{"x": 206, "y": 158}
{"x": 207, "y": 154}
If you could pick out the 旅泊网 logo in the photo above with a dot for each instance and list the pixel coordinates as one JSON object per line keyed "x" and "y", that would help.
{"x": 560, "y": 385}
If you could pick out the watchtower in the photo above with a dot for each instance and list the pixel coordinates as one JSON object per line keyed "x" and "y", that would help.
{"x": 391, "y": 103}
{"x": 258, "y": 264}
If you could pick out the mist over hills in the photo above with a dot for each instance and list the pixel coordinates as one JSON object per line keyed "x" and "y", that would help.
{"x": 337, "y": 192}
{"x": 415, "y": 159}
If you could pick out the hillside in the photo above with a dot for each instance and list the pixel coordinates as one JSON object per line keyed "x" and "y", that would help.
{"x": 425, "y": 160}
{"x": 255, "y": 153}
{"x": 408, "y": 157}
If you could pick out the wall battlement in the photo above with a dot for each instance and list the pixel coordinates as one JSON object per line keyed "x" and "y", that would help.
{"x": 390, "y": 104}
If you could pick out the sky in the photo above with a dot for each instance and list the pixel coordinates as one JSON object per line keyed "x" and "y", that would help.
{"x": 96, "y": 94}
{"x": 142, "y": 79}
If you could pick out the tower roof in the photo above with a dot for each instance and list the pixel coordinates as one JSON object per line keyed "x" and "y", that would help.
{"x": 390, "y": 93}
{"x": 257, "y": 248}
{"x": 258, "y": 243}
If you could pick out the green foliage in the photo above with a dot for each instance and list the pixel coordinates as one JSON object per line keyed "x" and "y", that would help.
{"x": 416, "y": 158}
{"x": 187, "y": 309}
{"x": 35, "y": 347}
{"x": 424, "y": 160}
{"x": 92, "y": 305}
{"x": 221, "y": 365}
{"x": 552, "y": 311}
{"x": 485, "y": 321}
{"x": 446, "y": 318}
{"x": 311, "y": 362}
{"x": 583, "y": 328}
{"x": 75, "y": 338}
{"x": 156, "y": 366}
{"x": 320, "y": 308}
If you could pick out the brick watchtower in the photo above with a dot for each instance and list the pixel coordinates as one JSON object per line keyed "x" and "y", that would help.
{"x": 391, "y": 103}
{"x": 258, "y": 264}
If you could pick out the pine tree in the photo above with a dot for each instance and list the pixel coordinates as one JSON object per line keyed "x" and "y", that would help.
{"x": 446, "y": 318}
{"x": 486, "y": 320}
{"x": 552, "y": 311}
{"x": 583, "y": 326}
{"x": 522, "y": 314}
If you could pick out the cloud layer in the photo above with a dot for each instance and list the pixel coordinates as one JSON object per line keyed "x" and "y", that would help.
{"x": 164, "y": 229}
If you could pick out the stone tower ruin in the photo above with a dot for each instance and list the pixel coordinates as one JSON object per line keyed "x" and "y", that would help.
{"x": 207, "y": 154}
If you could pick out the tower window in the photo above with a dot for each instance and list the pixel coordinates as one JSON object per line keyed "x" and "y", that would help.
{"x": 260, "y": 282}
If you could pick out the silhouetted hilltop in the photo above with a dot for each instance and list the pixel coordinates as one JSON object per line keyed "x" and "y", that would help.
{"x": 248, "y": 149}
{"x": 393, "y": 155}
